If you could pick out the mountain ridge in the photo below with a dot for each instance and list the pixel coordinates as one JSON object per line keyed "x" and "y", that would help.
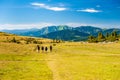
{"x": 55, "y": 30}
{"x": 67, "y": 35}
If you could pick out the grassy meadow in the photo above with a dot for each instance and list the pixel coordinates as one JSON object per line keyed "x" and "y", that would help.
{"x": 67, "y": 61}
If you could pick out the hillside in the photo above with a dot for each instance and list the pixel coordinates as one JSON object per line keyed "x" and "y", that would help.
{"x": 67, "y": 61}
{"x": 6, "y": 34}
{"x": 48, "y": 32}
{"x": 111, "y": 30}
{"x": 12, "y": 38}
{"x": 89, "y": 29}
{"x": 45, "y": 30}
{"x": 19, "y": 31}
{"x": 67, "y": 35}
{"x": 74, "y": 60}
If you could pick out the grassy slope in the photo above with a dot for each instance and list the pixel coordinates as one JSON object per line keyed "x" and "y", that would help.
{"x": 68, "y": 61}
{"x": 20, "y": 62}
{"x": 76, "y": 61}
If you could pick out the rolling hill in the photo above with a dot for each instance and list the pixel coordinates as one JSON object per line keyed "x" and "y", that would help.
{"x": 89, "y": 29}
{"x": 67, "y": 35}
{"x": 70, "y": 33}
{"x": 45, "y": 30}
{"x": 19, "y": 31}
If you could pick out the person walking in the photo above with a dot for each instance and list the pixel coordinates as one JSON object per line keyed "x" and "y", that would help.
{"x": 42, "y": 48}
{"x": 38, "y": 48}
{"x": 51, "y": 48}
{"x": 46, "y": 49}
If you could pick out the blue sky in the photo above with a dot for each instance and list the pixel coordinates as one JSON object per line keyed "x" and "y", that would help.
{"x": 19, "y": 14}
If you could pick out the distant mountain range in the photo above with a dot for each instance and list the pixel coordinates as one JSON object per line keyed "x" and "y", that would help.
{"x": 20, "y": 31}
{"x": 67, "y": 35}
{"x": 63, "y": 32}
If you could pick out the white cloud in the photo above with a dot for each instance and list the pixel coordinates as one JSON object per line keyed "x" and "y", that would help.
{"x": 24, "y": 26}
{"x": 73, "y": 24}
{"x": 39, "y": 25}
{"x": 77, "y": 24}
{"x": 44, "y": 24}
{"x": 41, "y": 5}
{"x": 89, "y": 10}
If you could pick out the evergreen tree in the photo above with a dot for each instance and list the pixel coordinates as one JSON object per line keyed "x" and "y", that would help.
{"x": 107, "y": 35}
{"x": 113, "y": 36}
{"x": 100, "y": 37}
{"x": 92, "y": 39}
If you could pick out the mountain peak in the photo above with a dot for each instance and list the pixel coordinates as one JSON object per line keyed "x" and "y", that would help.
{"x": 57, "y": 31}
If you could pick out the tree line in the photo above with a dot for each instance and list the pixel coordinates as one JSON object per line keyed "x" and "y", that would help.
{"x": 108, "y": 37}
{"x": 31, "y": 40}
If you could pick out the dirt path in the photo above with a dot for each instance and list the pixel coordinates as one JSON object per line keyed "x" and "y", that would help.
{"x": 53, "y": 65}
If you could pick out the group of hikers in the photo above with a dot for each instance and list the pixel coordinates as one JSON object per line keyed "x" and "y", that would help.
{"x": 44, "y": 48}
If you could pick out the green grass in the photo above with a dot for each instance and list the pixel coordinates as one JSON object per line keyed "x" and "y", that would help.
{"x": 76, "y": 61}
{"x": 68, "y": 61}
{"x": 20, "y": 62}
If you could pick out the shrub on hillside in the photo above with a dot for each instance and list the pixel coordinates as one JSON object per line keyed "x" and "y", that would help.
{"x": 110, "y": 37}
{"x": 14, "y": 40}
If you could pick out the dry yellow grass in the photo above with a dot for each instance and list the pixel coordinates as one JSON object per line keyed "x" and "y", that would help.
{"x": 78, "y": 61}
{"x": 68, "y": 61}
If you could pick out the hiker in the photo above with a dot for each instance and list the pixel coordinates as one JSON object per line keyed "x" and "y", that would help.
{"x": 42, "y": 48}
{"x": 38, "y": 48}
{"x": 46, "y": 49}
{"x": 50, "y": 48}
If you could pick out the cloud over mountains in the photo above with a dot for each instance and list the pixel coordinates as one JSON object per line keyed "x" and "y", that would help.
{"x": 90, "y": 10}
{"x": 44, "y": 6}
